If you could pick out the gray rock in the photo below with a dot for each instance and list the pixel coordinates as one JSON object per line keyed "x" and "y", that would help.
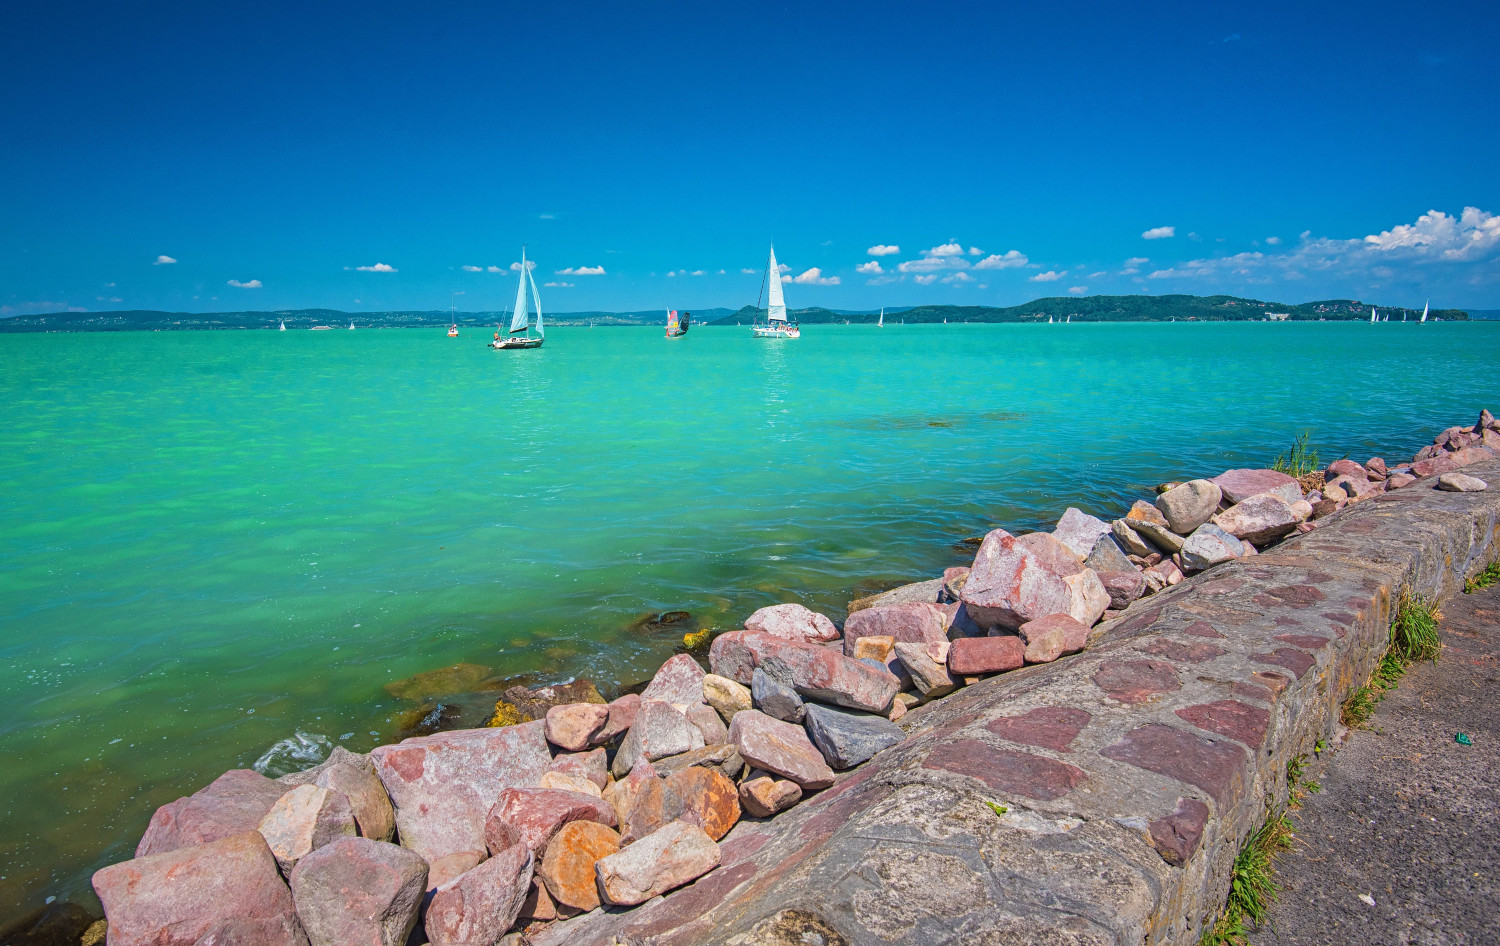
{"x": 846, "y": 739}
{"x": 931, "y": 677}
{"x": 659, "y": 730}
{"x": 1190, "y": 505}
{"x": 1461, "y": 483}
{"x": 1159, "y": 535}
{"x": 724, "y": 758}
{"x": 1210, "y": 545}
{"x": 774, "y": 698}
{"x": 1107, "y": 555}
{"x": 1260, "y": 519}
{"x": 1079, "y": 531}
{"x": 1129, "y": 539}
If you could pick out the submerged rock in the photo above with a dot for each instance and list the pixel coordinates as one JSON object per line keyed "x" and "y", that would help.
{"x": 445, "y": 681}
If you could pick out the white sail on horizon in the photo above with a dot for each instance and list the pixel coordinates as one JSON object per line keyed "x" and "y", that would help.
{"x": 1424, "y": 310}
{"x": 775, "y": 303}
{"x": 1373, "y": 313}
{"x": 881, "y": 323}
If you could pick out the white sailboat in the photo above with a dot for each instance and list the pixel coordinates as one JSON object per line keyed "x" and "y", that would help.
{"x": 1424, "y": 311}
{"x": 1049, "y": 320}
{"x": 520, "y": 324}
{"x": 283, "y": 326}
{"x": 1374, "y": 312}
{"x": 881, "y": 323}
{"x": 776, "y": 325}
{"x": 351, "y": 325}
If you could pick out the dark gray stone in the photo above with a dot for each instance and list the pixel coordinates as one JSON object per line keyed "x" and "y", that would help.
{"x": 1108, "y": 556}
{"x": 846, "y": 739}
{"x": 775, "y": 698}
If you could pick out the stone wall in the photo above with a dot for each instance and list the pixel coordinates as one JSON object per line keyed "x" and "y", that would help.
{"x": 1102, "y": 798}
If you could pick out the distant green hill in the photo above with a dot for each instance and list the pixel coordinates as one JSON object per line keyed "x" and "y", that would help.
{"x": 1120, "y": 309}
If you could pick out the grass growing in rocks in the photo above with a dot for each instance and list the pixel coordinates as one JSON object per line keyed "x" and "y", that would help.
{"x": 1484, "y": 579}
{"x": 1413, "y": 637}
{"x": 1252, "y": 888}
{"x": 1300, "y": 460}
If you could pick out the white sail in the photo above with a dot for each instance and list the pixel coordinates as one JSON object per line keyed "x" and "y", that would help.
{"x": 1373, "y": 313}
{"x": 537, "y": 299}
{"x": 519, "y": 321}
{"x": 775, "y": 304}
{"x": 1424, "y": 310}
{"x": 881, "y": 323}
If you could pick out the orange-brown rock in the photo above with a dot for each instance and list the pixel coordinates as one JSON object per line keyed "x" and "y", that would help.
{"x": 766, "y": 795}
{"x": 568, "y": 867}
{"x": 712, "y": 801}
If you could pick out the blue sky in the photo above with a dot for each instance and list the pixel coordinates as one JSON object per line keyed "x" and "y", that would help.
{"x": 360, "y": 156}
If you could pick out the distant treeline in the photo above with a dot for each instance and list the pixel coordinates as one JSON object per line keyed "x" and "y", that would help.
{"x": 145, "y": 320}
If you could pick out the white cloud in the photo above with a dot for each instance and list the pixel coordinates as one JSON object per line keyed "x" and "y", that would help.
{"x": 954, "y": 278}
{"x": 1468, "y": 236}
{"x": 783, "y": 268}
{"x": 925, "y": 280}
{"x": 252, "y": 284}
{"x": 559, "y": 285}
{"x": 1010, "y": 259}
{"x": 516, "y": 267}
{"x": 1138, "y": 261}
{"x": 975, "y": 251}
{"x": 815, "y": 277}
{"x": 1049, "y": 276}
{"x": 749, "y": 272}
{"x": 582, "y": 271}
{"x": 164, "y": 260}
{"x": 1078, "y": 290}
{"x": 881, "y": 249}
{"x": 1273, "y": 240}
{"x": 473, "y": 269}
{"x": 377, "y": 268}
{"x": 928, "y": 264}
{"x": 1098, "y": 274}
{"x": 546, "y": 216}
{"x": 721, "y": 272}
{"x": 499, "y": 269}
{"x": 1198, "y": 239}
{"x": 872, "y": 268}
{"x": 1159, "y": 233}
{"x": 698, "y": 272}
{"x": 951, "y": 248}
{"x": 109, "y": 285}
{"x": 883, "y": 280}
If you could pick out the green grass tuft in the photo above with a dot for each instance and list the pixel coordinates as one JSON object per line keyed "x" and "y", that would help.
{"x": 997, "y": 809}
{"x": 1300, "y": 460}
{"x": 1414, "y": 634}
{"x": 1252, "y": 887}
{"x": 1484, "y": 579}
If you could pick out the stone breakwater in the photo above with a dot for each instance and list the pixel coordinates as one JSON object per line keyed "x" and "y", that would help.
{"x": 1066, "y": 741}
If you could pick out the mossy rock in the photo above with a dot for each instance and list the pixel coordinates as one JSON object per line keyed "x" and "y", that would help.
{"x": 695, "y": 639}
{"x": 459, "y": 678}
{"x": 506, "y": 714}
{"x": 661, "y": 621}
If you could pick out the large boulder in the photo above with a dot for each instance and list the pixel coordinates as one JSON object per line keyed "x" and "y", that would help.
{"x": 1009, "y": 585}
{"x": 1079, "y": 531}
{"x": 233, "y": 803}
{"x": 815, "y": 672}
{"x": 1049, "y": 638}
{"x": 444, "y": 785}
{"x": 356, "y": 890}
{"x": 971, "y": 656}
{"x": 1122, "y": 586}
{"x": 710, "y": 799}
{"x": 572, "y": 726}
{"x": 726, "y": 696}
{"x": 1190, "y": 505}
{"x": 774, "y": 698}
{"x": 1088, "y": 598}
{"x": 478, "y": 907}
{"x": 531, "y": 816}
{"x": 664, "y": 860}
{"x": 779, "y": 747}
{"x": 1260, "y": 519}
{"x": 659, "y": 730}
{"x": 224, "y": 891}
{"x": 847, "y": 739}
{"x": 1239, "y": 485}
{"x": 1055, "y": 555}
{"x": 916, "y": 621}
{"x": 680, "y": 680}
{"x": 1210, "y": 545}
{"x": 568, "y": 866}
{"x": 792, "y": 622}
{"x": 305, "y": 819}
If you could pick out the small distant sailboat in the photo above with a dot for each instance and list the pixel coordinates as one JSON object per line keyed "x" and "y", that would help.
{"x": 520, "y": 324}
{"x": 776, "y": 325}
{"x": 1424, "y": 311}
{"x": 881, "y": 322}
{"x": 1049, "y": 320}
{"x": 1069, "y": 321}
{"x": 283, "y": 326}
{"x": 351, "y": 325}
{"x": 1374, "y": 312}
{"x": 678, "y": 326}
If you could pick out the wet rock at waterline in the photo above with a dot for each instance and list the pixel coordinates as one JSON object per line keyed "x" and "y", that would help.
{"x": 792, "y": 622}
{"x": 679, "y": 680}
{"x": 233, "y": 803}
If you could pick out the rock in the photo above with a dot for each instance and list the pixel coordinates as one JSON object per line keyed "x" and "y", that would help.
{"x": 909, "y": 621}
{"x": 928, "y": 592}
{"x": 1009, "y": 585}
{"x": 444, "y": 785}
{"x": 764, "y": 796}
{"x": 659, "y": 730}
{"x": 792, "y": 622}
{"x": 1209, "y": 545}
{"x": 450, "y": 867}
{"x": 1353, "y": 487}
{"x": 1129, "y": 539}
{"x": 621, "y": 716}
{"x": 1259, "y": 519}
{"x": 1439, "y": 464}
{"x": 726, "y": 696}
{"x": 445, "y": 681}
{"x": 1054, "y": 555}
{"x": 1486, "y": 419}
{"x": 877, "y": 647}
{"x": 643, "y": 802}
{"x": 1158, "y": 534}
{"x": 976, "y": 655}
{"x": 1122, "y": 586}
{"x": 1334, "y": 492}
{"x": 781, "y": 748}
{"x": 1345, "y": 468}
{"x": 680, "y": 680}
{"x": 1240, "y": 485}
{"x": 573, "y": 725}
{"x": 1190, "y": 505}
{"x": 954, "y": 580}
{"x": 305, "y": 819}
{"x": 357, "y": 781}
{"x": 774, "y": 698}
{"x": 1376, "y": 466}
{"x": 1398, "y": 480}
{"x": 531, "y": 816}
{"x": 1049, "y": 638}
{"x": 538, "y": 904}
{"x": 1461, "y": 483}
{"x": 1325, "y": 507}
{"x": 706, "y": 718}
{"x": 570, "y": 783}
{"x": 675, "y": 855}
{"x": 815, "y": 672}
{"x": 589, "y": 765}
{"x": 1079, "y": 531}
{"x": 1302, "y": 509}
{"x": 356, "y": 890}
{"x": 722, "y": 758}
{"x": 1142, "y": 511}
{"x": 711, "y": 800}
{"x": 1088, "y": 596}
{"x": 848, "y": 739}
{"x": 620, "y": 794}
{"x": 931, "y": 678}
{"x": 534, "y": 704}
{"x": 55, "y": 923}
{"x": 1168, "y": 573}
{"x": 231, "y": 804}
{"x": 1250, "y": 549}
{"x": 478, "y": 907}
{"x": 223, "y": 891}
{"x": 1107, "y": 555}
{"x": 568, "y": 867}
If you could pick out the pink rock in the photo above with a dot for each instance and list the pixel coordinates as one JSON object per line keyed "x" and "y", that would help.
{"x": 305, "y": 819}
{"x": 222, "y": 891}
{"x": 707, "y": 719}
{"x": 974, "y": 655}
{"x": 665, "y": 860}
{"x": 659, "y": 730}
{"x": 1122, "y": 586}
{"x": 621, "y": 716}
{"x": 1375, "y": 466}
{"x": 792, "y": 622}
{"x": 1079, "y": 531}
{"x": 1446, "y": 463}
{"x": 1240, "y": 485}
{"x": 815, "y": 672}
{"x": 233, "y": 803}
{"x": 680, "y": 680}
{"x": 644, "y": 802}
{"x": 477, "y": 908}
{"x": 926, "y": 673}
{"x": 450, "y": 867}
{"x": 531, "y": 816}
{"x": 444, "y": 785}
{"x": 1053, "y": 553}
{"x": 1344, "y": 468}
{"x": 1009, "y": 585}
{"x": 1352, "y": 486}
{"x": 572, "y": 725}
{"x": 1259, "y": 519}
{"x": 1398, "y": 480}
{"x": 373, "y": 814}
{"x": 591, "y": 765}
{"x": 359, "y": 891}
{"x": 779, "y": 747}
{"x": 1088, "y": 598}
{"x": 912, "y": 622}
{"x": 1053, "y": 636}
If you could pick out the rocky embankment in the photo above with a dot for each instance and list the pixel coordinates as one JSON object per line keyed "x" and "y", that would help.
{"x": 501, "y": 834}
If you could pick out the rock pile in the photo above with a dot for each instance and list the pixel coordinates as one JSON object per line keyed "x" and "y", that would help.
{"x": 567, "y": 804}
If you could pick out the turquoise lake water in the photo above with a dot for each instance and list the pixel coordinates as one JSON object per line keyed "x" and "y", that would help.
{"x": 212, "y": 540}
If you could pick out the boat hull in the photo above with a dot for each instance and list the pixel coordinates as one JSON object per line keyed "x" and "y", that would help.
{"x": 509, "y": 343}
{"x": 773, "y": 331}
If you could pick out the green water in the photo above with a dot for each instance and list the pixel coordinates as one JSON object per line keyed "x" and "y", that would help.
{"x": 212, "y": 540}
